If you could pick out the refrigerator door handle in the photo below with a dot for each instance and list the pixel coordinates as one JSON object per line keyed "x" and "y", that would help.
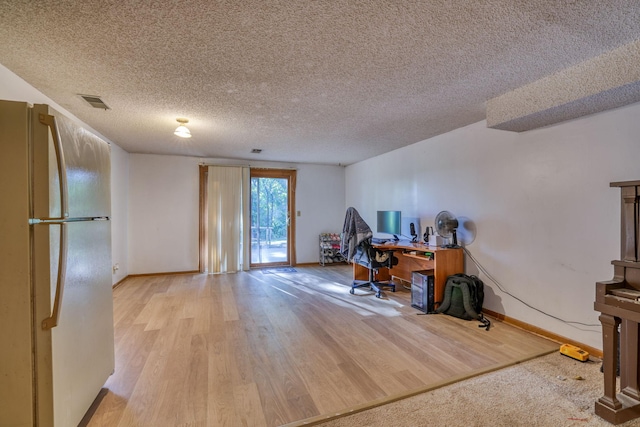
{"x": 52, "y": 322}
{"x": 49, "y": 120}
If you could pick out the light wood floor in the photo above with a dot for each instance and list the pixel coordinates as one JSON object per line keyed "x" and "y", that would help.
{"x": 256, "y": 349}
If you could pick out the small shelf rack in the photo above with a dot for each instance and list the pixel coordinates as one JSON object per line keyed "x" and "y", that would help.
{"x": 330, "y": 248}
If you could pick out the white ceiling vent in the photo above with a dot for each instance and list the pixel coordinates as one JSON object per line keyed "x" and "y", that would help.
{"x": 95, "y": 102}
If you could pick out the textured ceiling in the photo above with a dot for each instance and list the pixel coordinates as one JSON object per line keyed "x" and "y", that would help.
{"x": 306, "y": 81}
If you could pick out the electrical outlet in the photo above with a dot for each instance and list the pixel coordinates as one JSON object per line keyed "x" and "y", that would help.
{"x": 116, "y": 267}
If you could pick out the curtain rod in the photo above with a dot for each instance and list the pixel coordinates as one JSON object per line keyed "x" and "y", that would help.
{"x": 247, "y": 166}
{"x": 228, "y": 166}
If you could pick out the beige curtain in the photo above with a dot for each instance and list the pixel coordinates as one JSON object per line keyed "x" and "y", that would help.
{"x": 228, "y": 190}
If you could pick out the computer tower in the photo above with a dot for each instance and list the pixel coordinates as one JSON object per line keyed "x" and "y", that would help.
{"x": 422, "y": 295}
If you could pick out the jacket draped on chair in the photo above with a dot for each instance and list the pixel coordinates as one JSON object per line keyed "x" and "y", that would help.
{"x": 356, "y": 247}
{"x": 354, "y": 232}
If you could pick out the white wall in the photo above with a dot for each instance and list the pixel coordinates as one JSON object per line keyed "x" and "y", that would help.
{"x": 163, "y": 210}
{"x": 14, "y": 88}
{"x": 163, "y": 213}
{"x": 546, "y": 220}
{"x": 320, "y": 200}
{"x": 119, "y": 213}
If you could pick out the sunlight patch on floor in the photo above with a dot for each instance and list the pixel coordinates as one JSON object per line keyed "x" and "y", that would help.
{"x": 337, "y": 293}
{"x": 283, "y": 291}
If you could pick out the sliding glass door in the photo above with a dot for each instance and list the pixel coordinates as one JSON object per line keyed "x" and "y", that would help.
{"x": 272, "y": 219}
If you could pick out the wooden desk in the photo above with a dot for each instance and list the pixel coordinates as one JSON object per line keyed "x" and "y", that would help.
{"x": 445, "y": 262}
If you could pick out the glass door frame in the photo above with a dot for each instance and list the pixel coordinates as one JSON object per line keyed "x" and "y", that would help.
{"x": 290, "y": 176}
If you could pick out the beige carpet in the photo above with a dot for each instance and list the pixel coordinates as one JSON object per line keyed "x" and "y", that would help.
{"x": 541, "y": 392}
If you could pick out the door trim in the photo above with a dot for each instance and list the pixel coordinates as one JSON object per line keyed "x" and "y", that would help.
{"x": 289, "y": 174}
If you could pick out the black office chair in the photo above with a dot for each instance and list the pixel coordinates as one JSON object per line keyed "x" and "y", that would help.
{"x": 374, "y": 259}
{"x": 356, "y": 247}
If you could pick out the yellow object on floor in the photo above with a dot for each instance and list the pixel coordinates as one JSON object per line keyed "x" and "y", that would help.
{"x": 574, "y": 352}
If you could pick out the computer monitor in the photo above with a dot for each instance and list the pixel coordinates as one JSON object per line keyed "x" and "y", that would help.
{"x": 390, "y": 222}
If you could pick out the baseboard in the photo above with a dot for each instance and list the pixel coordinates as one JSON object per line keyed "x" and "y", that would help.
{"x": 542, "y": 332}
{"x": 317, "y": 264}
{"x": 120, "y": 282}
{"x": 84, "y": 422}
{"x": 166, "y": 273}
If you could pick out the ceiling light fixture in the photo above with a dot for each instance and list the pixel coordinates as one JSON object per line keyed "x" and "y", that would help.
{"x": 182, "y": 131}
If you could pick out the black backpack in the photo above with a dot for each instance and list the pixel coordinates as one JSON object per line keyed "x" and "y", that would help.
{"x": 463, "y": 298}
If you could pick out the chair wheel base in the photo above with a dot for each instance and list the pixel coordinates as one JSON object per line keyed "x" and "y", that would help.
{"x": 374, "y": 286}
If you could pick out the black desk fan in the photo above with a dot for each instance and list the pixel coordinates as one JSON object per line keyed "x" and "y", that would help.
{"x": 446, "y": 225}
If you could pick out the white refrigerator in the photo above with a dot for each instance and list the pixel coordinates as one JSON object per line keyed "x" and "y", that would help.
{"x": 56, "y": 306}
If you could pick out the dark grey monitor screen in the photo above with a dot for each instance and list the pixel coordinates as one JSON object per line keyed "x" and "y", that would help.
{"x": 389, "y": 222}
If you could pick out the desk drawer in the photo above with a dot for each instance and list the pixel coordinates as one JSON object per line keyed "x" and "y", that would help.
{"x": 407, "y": 264}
